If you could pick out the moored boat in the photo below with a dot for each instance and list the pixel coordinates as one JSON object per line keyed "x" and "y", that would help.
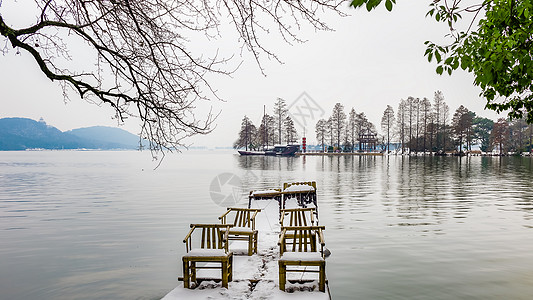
{"x": 245, "y": 152}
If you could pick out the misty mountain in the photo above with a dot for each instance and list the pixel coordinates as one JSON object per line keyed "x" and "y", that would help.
{"x": 109, "y": 135}
{"x": 23, "y": 133}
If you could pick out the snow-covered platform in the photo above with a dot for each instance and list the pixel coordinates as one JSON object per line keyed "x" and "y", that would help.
{"x": 256, "y": 276}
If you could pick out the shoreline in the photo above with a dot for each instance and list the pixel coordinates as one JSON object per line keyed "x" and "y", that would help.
{"x": 411, "y": 154}
{"x": 338, "y": 153}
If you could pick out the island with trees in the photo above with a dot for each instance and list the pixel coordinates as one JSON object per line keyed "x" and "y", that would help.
{"x": 418, "y": 126}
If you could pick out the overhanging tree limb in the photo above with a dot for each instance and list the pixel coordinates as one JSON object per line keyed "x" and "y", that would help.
{"x": 142, "y": 65}
{"x": 497, "y": 51}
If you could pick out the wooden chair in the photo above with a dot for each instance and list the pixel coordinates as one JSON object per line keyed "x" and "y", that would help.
{"x": 213, "y": 247}
{"x": 243, "y": 226}
{"x": 304, "y": 192}
{"x": 302, "y": 250}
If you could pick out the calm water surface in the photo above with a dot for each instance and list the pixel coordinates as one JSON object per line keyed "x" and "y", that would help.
{"x": 106, "y": 225}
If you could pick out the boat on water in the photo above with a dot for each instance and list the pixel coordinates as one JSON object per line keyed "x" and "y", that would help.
{"x": 278, "y": 150}
{"x": 259, "y": 276}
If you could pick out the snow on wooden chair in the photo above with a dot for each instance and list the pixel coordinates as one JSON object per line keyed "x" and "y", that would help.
{"x": 302, "y": 251}
{"x": 265, "y": 195}
{"x": 304, "y": 192}
{"x": 243, "y": 226}
{"x": 212, "y": 247}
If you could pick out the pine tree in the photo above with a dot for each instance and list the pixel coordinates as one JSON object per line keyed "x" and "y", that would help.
{"x": 387, "y": 124}
{"x": 280, "y": 114}
{"x": 246, "y": 134}
{"x": 321, "y": 130}
{"x": 338, "y": 118}
{"x": 290, "y": 130}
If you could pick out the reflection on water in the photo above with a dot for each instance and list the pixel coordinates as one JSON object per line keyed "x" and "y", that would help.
{"x": 105, "y": 225}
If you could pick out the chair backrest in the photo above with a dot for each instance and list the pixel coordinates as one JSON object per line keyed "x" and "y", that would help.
{"x": 214, "y": 236}
{"x": 244, "y": 217}
{"x": 301, "y": 239}
{"x": 310, "y": 183}
{"x": 265, "y": 194}
{"x": 298, "y": 217}
{"x": 304, "y": 192}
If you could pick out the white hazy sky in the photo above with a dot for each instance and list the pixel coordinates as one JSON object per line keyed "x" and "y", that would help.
{"x": 370, "y": 61}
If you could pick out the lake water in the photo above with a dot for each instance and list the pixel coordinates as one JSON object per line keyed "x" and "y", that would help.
{"x": 106, "y": 225}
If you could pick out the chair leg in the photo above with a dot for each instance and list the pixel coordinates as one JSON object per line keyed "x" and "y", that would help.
{"x": 225, "y": 273}
{"x": 193, "y": 271}
{"x": 230, "y": 267}
{"x": 322, "y": 278}
{"x": 250, "y": 244}
{"x": 282, "y": 275}
{"x": 255, "y": 242}
{"x": 185, "y": 273}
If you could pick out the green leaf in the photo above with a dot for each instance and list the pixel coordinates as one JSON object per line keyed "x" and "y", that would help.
{"x": 388, "y": 5}
{"x": 455, "y": 64}
{"x": 437, "y": 56}
{"x": 371, "y": 4}
{"x": 357, "y": 3}
{"x": 464, "y": 64}
{"x": 439, "y": 70}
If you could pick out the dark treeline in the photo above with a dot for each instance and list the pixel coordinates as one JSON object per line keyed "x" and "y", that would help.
{"x": 274, "y": 129}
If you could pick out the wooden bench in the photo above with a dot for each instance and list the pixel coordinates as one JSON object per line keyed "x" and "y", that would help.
{"x": 213, "y": 247}
{"x": 243, "y": 226}
{"x": 302, "y": 250}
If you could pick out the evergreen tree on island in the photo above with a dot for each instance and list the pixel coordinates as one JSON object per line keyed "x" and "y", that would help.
{"x": 247, "y": 135}
{"x": 280, "y": 115}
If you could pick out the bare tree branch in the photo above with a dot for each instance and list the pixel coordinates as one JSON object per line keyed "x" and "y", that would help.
{"x": 142, "y": 65}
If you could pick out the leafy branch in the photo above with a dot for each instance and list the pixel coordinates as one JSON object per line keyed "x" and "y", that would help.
{"x": 496, "y": 48}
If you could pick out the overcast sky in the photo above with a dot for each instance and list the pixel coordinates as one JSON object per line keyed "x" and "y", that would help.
{"x": 370, "y": 61}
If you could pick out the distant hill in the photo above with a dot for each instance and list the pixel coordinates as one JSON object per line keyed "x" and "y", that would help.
{"x": 23, "y": 133}
{"x": 108, "y": 135}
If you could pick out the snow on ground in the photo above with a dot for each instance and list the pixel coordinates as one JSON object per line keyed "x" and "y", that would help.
{"x": 256, "y": 276}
